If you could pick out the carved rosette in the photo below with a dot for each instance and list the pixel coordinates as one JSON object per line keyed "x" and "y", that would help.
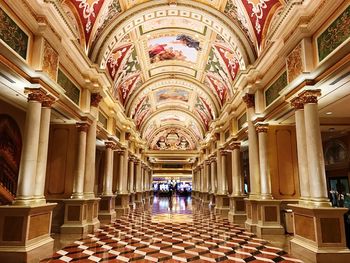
{"x": 95, "y": 99}
{"x": 38, "y": 95}
{"x": 249, "y": 100}
{"x": 82, "y": 126}
{"x": 262, "y": 127}
{"x": 310, "y": 96}
{"x": 297, "y": 103}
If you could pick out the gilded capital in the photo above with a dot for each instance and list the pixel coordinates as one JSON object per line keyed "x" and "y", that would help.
{"x": 95, "y": 99}
{"x": 110, "y": 145}
{"x": 261, "y": 127}
{"x": 310, "y": 96}
{"x": 82, "y": 126}
{"x": 297, "y": 103}
{"x": 235, "y": 146}
{"x": 249, "y": 100}
{"x": 37, "y": 94}
{"x": 48, "y": 101}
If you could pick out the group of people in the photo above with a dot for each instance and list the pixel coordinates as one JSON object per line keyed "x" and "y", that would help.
{"x": 339, "y": 199}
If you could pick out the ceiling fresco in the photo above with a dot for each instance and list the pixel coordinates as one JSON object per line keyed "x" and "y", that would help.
{"x": 172, "y": 63}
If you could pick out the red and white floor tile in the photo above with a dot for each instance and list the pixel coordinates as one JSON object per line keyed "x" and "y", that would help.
{"x": 171, "y": 232}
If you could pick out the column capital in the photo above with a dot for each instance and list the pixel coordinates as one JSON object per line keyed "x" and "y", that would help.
{"x": 310, "y": 96}
{"x": 110, "y": 145}
{"x": 48, "y": 101}
{"x": 82, "y": 126}
{"x": 120, "y": 151}
{"x": 235, "y": 146}
{"x": 249, "y": 100}
{"x": 297, "y": 103}
{"x": 224, "y": 152}
{"x": 212, "y": 159}
{"x": 207, "y": 161}
{"x": 36, "y": 94}
{"x": 95, "y": 99}
{"x": 262, "y": 127}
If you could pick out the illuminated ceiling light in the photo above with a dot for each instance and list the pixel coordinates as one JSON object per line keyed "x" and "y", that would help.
{"x": 329, "y": 113}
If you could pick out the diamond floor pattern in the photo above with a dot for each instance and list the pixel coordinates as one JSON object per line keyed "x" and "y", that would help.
{"x": 171, "y": 232}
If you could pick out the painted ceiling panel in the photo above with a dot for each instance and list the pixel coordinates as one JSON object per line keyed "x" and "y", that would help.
{"x": 88, "y": 11}
{"x": 173, "y": 62}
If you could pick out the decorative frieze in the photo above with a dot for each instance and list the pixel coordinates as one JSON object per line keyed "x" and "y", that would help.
{"x": 295, "y": 64}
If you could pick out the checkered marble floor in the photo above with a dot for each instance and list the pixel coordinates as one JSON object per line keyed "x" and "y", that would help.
{"x": 173, "y": 231}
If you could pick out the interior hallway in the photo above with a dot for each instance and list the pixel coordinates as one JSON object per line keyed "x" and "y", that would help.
{"x": 174, "y": 229}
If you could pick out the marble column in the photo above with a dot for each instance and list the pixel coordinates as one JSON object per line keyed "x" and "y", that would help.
{"x": 131, "y": 185}
{"x": 29, "y": 157}
{"x": 138, "y": 183}
{"x": 108, "y": 171}
{"x": 254, "y": 173}
{"x": 91, "y": 148}
{"x": 107, "y": 211}
{"x": 222, "y": 201}
{"x": 122, "y": 198}
{"x": 213, "y": 170}
{"x": 25, "y": 226}
{"x": 79, "y": 171}
{"x": 265, "y": 179}
{"x": 316, "y": 165}
{"x": 89, "y": 180}
{"x": 237, "y": 213}
{"x": 304, "y": 184}
{"x": 236, "y": 170}
{"x": 319, "y": 232}
{"x": 43, "y": 149}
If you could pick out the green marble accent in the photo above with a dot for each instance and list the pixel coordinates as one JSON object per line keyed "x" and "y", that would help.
{"x": 334, "y": 35}
{"x": 72, "y": 91}
{"x": 13, "y": 35}
{"x": 272, "y": 92}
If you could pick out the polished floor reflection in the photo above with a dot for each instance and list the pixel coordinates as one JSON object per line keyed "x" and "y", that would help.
{"x": 173, "y": 230}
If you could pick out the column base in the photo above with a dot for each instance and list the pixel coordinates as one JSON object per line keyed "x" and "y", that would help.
{"x": 139, "y": 201}
{"x": 122, "y": 204}
{"x": 92, "y": 214}
{"x": 107, "y": 212}
{"x": 25, "y": 233}
{"x": 75, "y": 217}
{"x": 269, "y": 218}
{"x": 132, "y": 198}
{"x": 319, "y": 234}
{"x": 252, "y": 214}
{"x": 222, "y": 206}
{"x": 205, "y": 200}
{"x": 237, "y": 213}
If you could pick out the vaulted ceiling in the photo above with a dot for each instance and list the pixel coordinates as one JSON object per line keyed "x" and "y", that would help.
{"x": 173, "y": 64}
